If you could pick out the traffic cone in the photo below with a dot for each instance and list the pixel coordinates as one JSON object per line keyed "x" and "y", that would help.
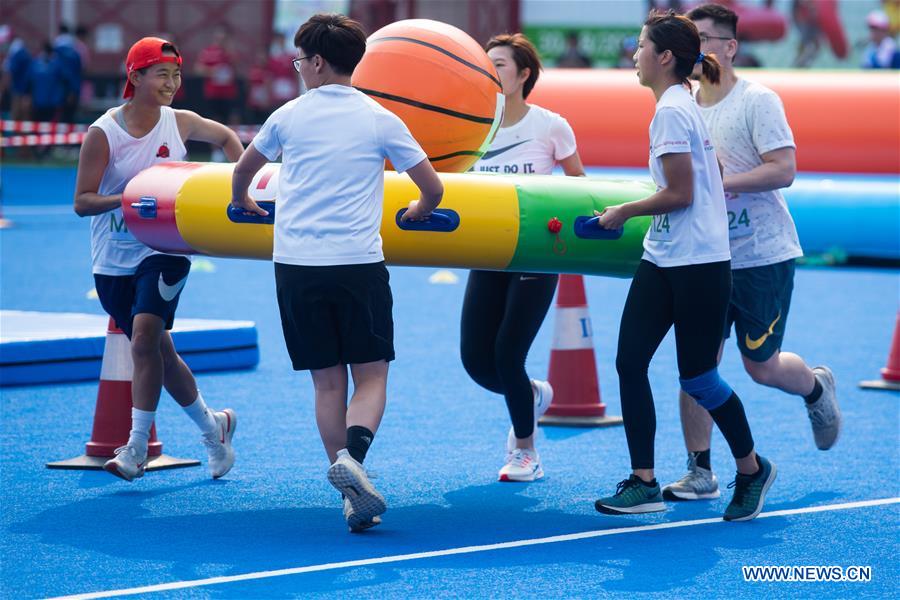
{"x": 573, "y": 369}
{"x": 890, "y": 375}
{"x": 112, "y": 416}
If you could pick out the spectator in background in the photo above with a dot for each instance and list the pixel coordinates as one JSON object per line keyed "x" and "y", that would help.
{"x": 16, "y": 72}
{"x": 284, "y": 83}
{"x": 220, "y": 88}
{"x": 882, "y": 51}
{"x": 70, "y": 65}
{"x": 806, "y": 19}
{"x": 627, "y": 48}
{"x": 892, "y": 10}
{"x": 259, "y": 93}
{"x": 82, "y": 47}
{"x": 46, "y": 84}
{"x": 216, "y": 66}
{"x": 573, "y": 57}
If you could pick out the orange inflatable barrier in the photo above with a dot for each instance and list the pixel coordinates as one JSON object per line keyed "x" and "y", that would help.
{"x": 843, "y": 122}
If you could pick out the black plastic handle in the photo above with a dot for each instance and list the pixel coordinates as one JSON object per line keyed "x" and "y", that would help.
{"x": 589, "y": 228}
{"x": 442, "y": 220}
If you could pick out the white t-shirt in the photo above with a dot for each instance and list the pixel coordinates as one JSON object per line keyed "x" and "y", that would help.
{"x": 744, "y": 125}
{"x": 333, "y": 141}
{"x": 532, "y": 146}
{"x": 114, "y": 251}
{"x": 696, "y": 234}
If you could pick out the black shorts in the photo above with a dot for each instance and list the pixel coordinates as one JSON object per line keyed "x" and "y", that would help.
{"x": 760, "y": 301}
{"x": 154, "y": 288}
{"x": 335, "y": 315}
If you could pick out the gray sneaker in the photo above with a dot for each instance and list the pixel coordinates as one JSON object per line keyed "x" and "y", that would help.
{"x": 698, "y": 484}
{"x": 350, "y": 479}
{"x": 355, "y": 522}
{"x": 824, "y": 413}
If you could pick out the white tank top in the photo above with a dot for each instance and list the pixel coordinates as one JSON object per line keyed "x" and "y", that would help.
{"x": 114, "y": 251}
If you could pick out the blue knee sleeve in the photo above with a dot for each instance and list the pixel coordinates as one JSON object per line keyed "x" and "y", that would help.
{"x": 709, "y": 390}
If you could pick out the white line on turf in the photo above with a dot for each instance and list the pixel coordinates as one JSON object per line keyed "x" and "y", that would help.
{"x": 180, "y": 585}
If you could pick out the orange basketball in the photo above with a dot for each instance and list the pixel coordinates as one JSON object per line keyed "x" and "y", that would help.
{"x": 440, "y": 82}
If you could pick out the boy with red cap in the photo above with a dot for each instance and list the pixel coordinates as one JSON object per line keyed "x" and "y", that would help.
{"x": 138, "y": 286}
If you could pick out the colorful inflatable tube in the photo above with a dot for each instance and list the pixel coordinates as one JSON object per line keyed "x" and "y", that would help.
{"x": 526, "y": 223}
{"x": 843, "y": 121}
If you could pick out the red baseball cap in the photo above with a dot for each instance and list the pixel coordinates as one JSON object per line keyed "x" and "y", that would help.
{"x": 147, "y": 52}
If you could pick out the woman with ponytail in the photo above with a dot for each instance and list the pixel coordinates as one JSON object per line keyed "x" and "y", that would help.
{"x": 684, "y": 277}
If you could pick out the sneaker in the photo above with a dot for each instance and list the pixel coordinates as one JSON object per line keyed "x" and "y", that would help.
{"x": 522, "y": 464}
{"x": 698, "y": 484}
{"x": 218, "y": 443}
{"x": 543, "y": 396}
{"x": 750, "y": 492}
{"x": 350, "y": 479}
{"x": 632, "y": 497}
{"x": 127, "y": 464}
{"x": 824, "y": 413}
{"x": 355, "y": 522}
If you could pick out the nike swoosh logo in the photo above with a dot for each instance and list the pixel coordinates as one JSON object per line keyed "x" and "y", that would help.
{"x": 492, "y": 153}
{"x": 168, "y": 292}
{"x": 755, "y": 344}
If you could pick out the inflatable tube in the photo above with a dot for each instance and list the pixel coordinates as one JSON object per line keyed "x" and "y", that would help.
{"x": 829, "y": 20}
{"x": 758, "y": 23}
{"x": 528, "y": 223}
{"x": 843, "y": 122}
{"x": 855, "y": 215}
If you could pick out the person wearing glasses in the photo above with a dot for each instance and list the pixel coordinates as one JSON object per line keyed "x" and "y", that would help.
{"x": 683, "y": 279}
{"x": 333, "y": 288}
{"x": 754, "y": 143}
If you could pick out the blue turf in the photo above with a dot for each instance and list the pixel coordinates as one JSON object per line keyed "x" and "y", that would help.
{"x": 436, "y": 455}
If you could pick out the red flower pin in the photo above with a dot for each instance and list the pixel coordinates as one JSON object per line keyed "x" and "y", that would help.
{"x": 163, "y": 151}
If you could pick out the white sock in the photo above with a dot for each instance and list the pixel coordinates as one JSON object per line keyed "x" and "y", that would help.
{"x": 201, "y": 415}
{"x": 141, "y": 422}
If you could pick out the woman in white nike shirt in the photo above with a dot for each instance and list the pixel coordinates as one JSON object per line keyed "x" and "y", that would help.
{"x": 138, "y": 286}
{"x": 683, "y": 279}
{"x": 503, "y": 311}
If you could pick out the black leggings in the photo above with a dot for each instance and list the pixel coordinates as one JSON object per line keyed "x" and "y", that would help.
{"x": 502, "y": 313}
{"x": 695, "y": 299}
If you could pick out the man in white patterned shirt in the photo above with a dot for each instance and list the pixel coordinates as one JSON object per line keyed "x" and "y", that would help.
{"x": 756, "y": 149}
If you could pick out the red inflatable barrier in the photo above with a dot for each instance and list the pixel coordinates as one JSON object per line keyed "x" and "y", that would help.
{"x": 843, "y": 122}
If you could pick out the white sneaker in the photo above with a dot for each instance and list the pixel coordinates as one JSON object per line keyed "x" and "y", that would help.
{"x": 354, "y": 522}
{"x": 218, "y": 443}
{"x": 350, "y": 479}
{"x": 522, "y": 464}
{"x": 127, "y": 464}
{"x": 543, "y": 396}
{"x": 824, "y": 413}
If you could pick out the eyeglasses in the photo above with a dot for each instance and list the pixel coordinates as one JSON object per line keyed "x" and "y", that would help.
{"x": 296, "y": 62}
{"x": 705, "y": 38}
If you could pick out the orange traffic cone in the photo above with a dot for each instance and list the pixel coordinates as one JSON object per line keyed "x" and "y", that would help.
{"x": 890, "y": 375}
{"x": 112, "y": 416}
{"x": 573, "y": 369}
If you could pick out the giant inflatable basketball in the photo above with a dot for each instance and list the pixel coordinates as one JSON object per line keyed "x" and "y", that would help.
{"x": 440, "y": 82}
